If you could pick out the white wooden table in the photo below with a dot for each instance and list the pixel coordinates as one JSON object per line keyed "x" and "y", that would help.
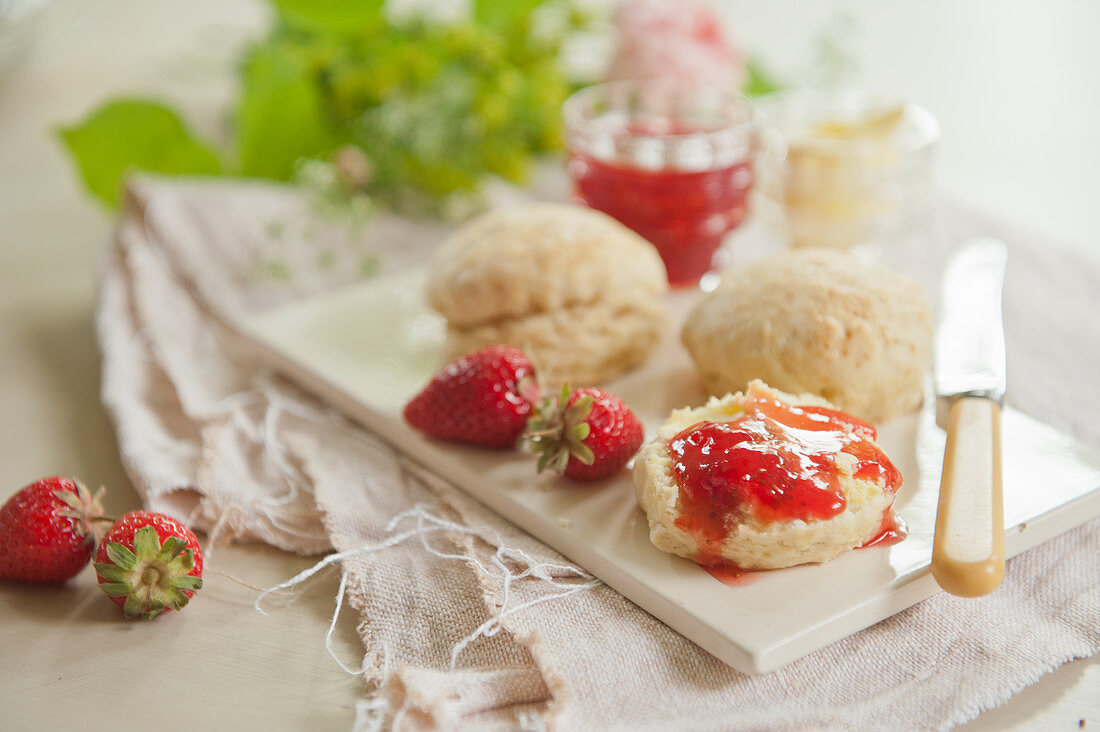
{"x": 1016, "y": 88}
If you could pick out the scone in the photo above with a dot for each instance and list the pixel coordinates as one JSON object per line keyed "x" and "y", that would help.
{"x": 578, "y": 291}
{"x": 764, "y": 480}
{"x": 819, "y": 321}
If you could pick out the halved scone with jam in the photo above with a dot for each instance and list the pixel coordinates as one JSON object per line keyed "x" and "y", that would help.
{"x": 763, "y": 480}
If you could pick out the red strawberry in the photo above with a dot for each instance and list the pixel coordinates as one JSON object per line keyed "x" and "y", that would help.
{"x": 585, "y": 434}
{"x": 46, "y": 531}
{"x": 148, "y": 562}
{"x": 483, "y": 398}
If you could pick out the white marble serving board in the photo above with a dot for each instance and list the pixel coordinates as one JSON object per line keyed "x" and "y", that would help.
{"x": 368, "y": 348}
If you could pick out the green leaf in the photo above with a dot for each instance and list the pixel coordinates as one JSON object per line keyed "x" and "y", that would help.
{"x": 115, "y": 589}
{"x": 155, "y": 608}
{"x": 280, "y": 116}
{"x": 146, "y": 543}
{"x": 70, "y": 499}
{"x": 172, "y": 546}
{"x": 187, "y": 582}
{"x": 339, "y": 16}
{"x": 498, "y": 11}
{"x": 577, "y": 412}
{"x": 133, "y": 606}
{"x": 134, "y": 134}
{"x": 111, "y": 572}
{"x": 583, "y": 453}
{"x": 175, "y": 600}
{"x": 183, "y": 563}
{"x": 121, "y": 555}
{"x": 759, "y": 81}
{"x": 545, "y": 459}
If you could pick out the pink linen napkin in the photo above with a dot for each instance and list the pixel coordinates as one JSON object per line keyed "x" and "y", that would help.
{"x": 466, "y": 621}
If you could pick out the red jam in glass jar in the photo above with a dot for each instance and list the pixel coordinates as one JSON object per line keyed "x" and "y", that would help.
{"x": 684, "y": 213}
{"x": 671, "y": 161}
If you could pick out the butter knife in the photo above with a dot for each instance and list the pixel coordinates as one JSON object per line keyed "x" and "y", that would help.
{"x": 968, "y": 549}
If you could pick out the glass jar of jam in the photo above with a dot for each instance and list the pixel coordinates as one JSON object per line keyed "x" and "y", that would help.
{"x": 672, "y": 162}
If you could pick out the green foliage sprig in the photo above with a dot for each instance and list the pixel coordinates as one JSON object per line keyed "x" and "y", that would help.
{"x": 434, "y": 106}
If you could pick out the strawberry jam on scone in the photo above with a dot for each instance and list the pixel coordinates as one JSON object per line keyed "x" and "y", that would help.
{"x": 764, "y": 480}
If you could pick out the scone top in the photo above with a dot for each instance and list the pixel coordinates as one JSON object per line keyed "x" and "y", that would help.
{"x": 580, "y": 293}
{"x": 536, "y": 258}
{"x": 819, "y": 321}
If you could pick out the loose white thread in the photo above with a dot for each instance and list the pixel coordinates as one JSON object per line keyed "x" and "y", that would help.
{"x": 539, "y": 570}
{"x": 233, "y": 578}
{"x": 215, "y": 532}
{"x": 332, "y": 629}
{"x": 370, "y": 713}
{"x": 557, "y": 576}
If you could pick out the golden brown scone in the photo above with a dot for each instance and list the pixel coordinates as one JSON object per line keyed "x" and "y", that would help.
{"x": 819, "y": 321}
{"x": 577, "y": 290}
{"x": 753, "y": 543}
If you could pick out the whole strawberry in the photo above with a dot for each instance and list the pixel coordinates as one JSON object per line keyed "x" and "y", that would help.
{"x": 483, "y": 398}
{"x": 584, "y": 434}
{"x": 46, "y": 531}
{"x": 148, "y": 562}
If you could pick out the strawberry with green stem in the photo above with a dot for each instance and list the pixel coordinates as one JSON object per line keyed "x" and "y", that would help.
{"x": 148, "y": 563}
{"x": 583, "y": 434}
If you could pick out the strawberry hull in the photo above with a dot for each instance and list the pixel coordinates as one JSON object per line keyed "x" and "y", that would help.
{"x": 148, "y": 563}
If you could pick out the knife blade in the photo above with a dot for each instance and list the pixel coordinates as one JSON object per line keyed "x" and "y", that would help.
{"x": 968, "y": 549}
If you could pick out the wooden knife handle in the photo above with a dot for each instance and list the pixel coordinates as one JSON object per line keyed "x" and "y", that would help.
{"x": 968, "y": 554}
